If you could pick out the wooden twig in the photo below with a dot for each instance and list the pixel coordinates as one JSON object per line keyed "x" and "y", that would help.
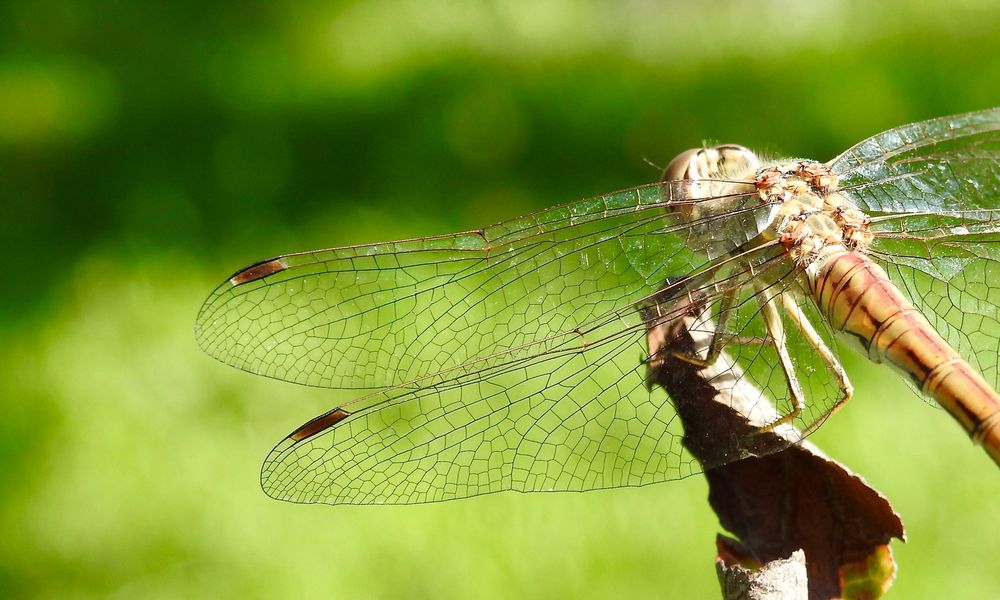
{"x": 780, "y": 579}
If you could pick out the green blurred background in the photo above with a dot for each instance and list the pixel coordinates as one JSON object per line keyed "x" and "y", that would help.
{"x": 147, "y": 150}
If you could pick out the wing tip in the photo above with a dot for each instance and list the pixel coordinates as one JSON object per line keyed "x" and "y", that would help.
{"x": 272, "y": 479}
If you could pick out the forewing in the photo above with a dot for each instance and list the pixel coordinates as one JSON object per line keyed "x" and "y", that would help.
{"x": 388, "y": 314}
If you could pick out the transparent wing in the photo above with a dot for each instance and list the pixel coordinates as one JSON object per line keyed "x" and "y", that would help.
{"x": 936, "y": 166}
{"x": 933, "y": 190}
{"x": 386, "y": 314}
{"x": 954, "y": 279}
{"x": 571, "y": 420}
{"x": 577, "y": 416}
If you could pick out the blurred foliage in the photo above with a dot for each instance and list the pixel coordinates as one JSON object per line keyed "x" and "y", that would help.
{"x": 149, "y": 149}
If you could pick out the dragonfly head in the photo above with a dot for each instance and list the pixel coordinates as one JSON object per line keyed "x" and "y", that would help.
{"x": 725, "y": 161}
{"x": 708, "y": 184}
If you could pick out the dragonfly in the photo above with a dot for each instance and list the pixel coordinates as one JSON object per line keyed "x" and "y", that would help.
{"x": 516, "y": 357}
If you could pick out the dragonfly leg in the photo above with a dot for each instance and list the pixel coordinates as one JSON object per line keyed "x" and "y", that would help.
{"x": 776, "y": 332}
{"x": 833, "y": 365}
{"x": 719, "y": 341}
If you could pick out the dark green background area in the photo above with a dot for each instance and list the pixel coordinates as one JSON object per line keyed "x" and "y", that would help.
{"x": 148, "y": 150}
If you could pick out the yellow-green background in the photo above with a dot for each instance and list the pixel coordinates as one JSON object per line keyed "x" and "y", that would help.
{"x": 148, "y": 149}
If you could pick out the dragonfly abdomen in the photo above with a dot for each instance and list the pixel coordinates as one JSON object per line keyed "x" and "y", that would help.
{"x": 860, "y": 301}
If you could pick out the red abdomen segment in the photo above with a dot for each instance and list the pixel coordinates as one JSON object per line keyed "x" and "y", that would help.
{"x": 859, "y": 300}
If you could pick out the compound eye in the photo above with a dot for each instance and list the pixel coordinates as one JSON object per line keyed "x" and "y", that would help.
{"x": 735, "y": 161}
{"x": 734, "y": 152}
{"x": 681, "y": 167}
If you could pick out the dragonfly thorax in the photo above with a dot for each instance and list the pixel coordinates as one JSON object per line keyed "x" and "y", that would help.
{"x": 811, "y": 218}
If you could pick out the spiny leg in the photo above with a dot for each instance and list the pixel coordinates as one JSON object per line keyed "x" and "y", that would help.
{"x": 719, "y": 341}
{"x": 834, "y": 367}
{"x": 776, "y": 332}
